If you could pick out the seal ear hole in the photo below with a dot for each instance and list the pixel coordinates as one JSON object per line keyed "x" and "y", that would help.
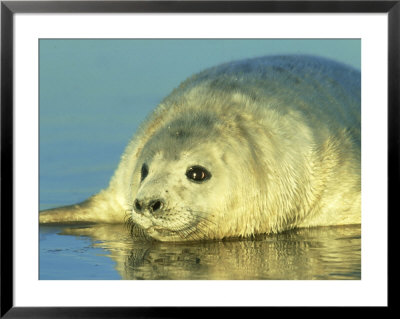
{"x": 198, "y": 174}
{"x": 144, "y": 171}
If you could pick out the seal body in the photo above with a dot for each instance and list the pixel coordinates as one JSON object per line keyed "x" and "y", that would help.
{"x": 248, "y": 147}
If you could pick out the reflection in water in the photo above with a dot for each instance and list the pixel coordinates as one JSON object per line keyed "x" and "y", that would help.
{"x": 316, "y": 253}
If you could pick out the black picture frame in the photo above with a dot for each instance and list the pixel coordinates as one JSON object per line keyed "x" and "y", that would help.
{"x": 9, "y": 8}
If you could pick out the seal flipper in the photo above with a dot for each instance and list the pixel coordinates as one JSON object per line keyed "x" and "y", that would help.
{"x": 67, "y": 214}
{"x": 96, "y": 209}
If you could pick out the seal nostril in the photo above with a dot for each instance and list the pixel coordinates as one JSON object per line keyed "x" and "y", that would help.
{"x": 155, "y": 205}
{"x": 138, "y": 206}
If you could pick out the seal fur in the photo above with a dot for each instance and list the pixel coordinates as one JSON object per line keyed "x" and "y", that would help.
{"x": 279, "y": 137}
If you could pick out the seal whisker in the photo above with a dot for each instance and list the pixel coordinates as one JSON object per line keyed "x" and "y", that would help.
{"x": 202, "y": 216}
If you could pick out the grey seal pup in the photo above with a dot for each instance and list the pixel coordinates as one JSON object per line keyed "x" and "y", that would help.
{"x": 249, "y": 147}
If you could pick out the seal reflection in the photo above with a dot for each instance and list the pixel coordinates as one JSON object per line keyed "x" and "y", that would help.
{"x": 315, "y": 253}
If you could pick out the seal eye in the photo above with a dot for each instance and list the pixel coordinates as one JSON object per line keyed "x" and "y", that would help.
{"x": 198, "y": 174}
{"x": 144, "y": 172}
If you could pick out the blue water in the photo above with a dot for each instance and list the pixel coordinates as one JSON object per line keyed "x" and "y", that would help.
{"x": 72, "y": 257}
{"x": 93, "y": 95}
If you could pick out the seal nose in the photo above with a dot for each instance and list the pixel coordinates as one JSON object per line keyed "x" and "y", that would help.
{"x": 152, "y": 206}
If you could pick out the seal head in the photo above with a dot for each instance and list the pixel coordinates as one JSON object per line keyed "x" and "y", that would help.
{"x": 180, "y": 176}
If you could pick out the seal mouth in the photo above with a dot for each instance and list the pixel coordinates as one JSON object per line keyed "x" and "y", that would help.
{"x": 160, "y": 231}
{"x": 151, "y": 227}
{"x": 183, "y": 227}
